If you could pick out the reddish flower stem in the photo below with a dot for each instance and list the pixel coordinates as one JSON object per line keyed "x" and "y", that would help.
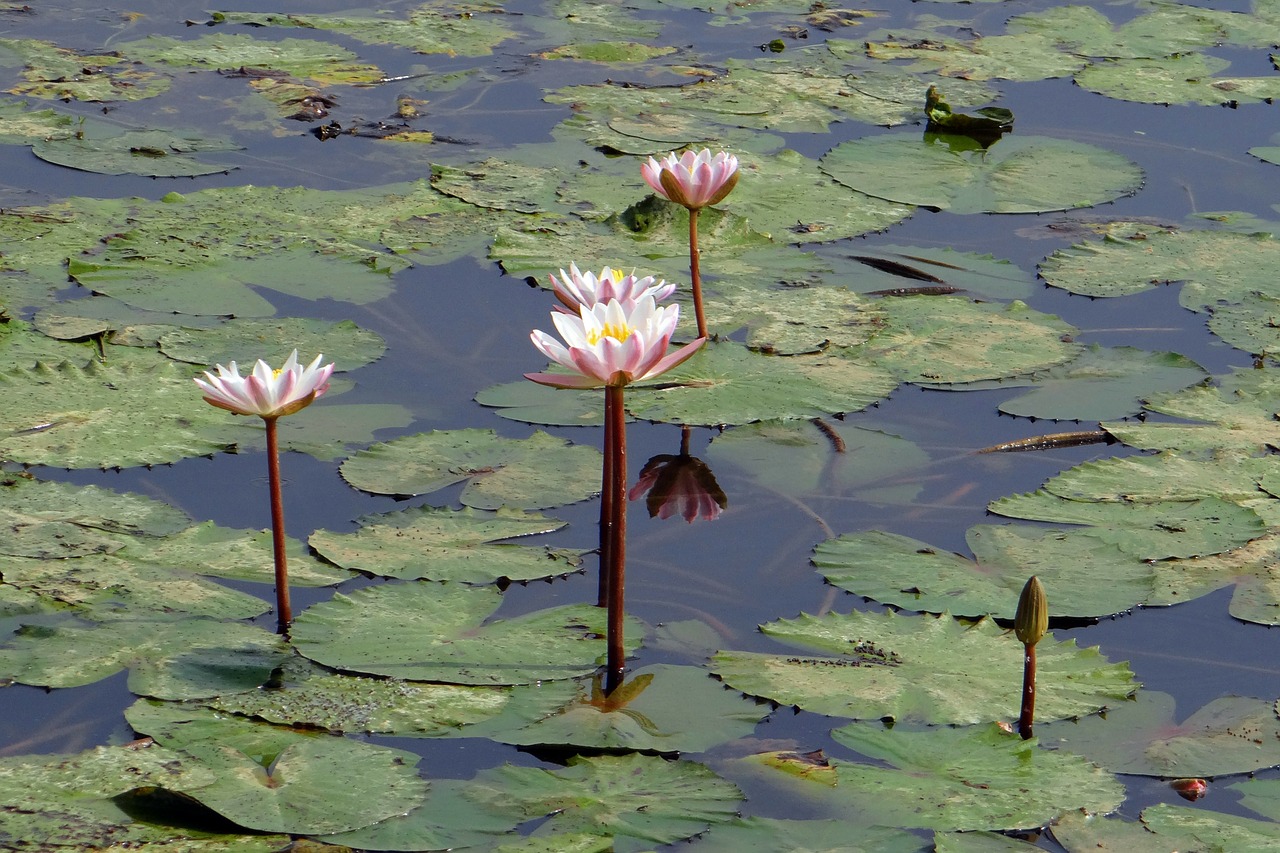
{"x": 695, "y": 274}
{"x": 284, "y": 612}
{"x": 615, "y": 417}
{"x": 608, "y": 491}
{"x": 1028, "y": 693}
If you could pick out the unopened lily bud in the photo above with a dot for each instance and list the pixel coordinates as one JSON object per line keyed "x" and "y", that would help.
{"x": 1032, "y": 619}
{"x": 1190, "y": 789}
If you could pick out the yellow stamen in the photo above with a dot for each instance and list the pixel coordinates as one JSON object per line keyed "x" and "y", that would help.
{"x": 618, "y": 275}
{"x": 618, "y": 333}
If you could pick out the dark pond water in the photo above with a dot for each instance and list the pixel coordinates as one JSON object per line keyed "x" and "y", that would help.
{"x": 461, "y": 327}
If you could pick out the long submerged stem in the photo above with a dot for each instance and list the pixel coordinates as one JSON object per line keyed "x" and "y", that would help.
{"x": 1027, "y": 717}
{"x": 615, "y": 417}
{"x": 608, "y": 492}
{"x": 284, "y": 612}
{"x": 695, "y": 274}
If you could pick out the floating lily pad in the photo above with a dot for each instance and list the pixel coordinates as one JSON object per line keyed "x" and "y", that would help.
{"x": 935, "y": 670}
{"x": 448, "y": 819}
{"x": 1198, "y": 829}
{"x": 1249, "y": 324}
{"x": 22, "y": 125}
{"x": 898, "y": 270}
{"x": 532, "y": 473}
{"x": 1185, "y": 78}
{"x": 973, "y": 778}
{"x": 344, "y": 343}
{"x": 790, "y": 319}
{"x": 530, "y": 402}
{"x": 1165, "y": 476}
{"x": 641, "y": 800}
{"x": 1024, "y": 57}
{"x": 168, "y": 659}
{"x": 801, "y": 458}
{"x": 449, "y": 545}
{"x": 1084, "y": 577}
{"x": 768, "y": 835}
{"x": 438, "y": 632}
{"x": 659, "y": 708}
{"x": 309, "y": 59}
{"x": 1020, "y": 174}
{"x": 1232, "y": 734}
{"x": 328, "y": 432}
{"x": 102, "y": 416}
{"x": 57, "y": 73}
{"x": 152, "y": 153}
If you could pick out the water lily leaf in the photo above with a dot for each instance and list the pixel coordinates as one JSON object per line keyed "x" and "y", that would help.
{"x": 57, "y": 520}
{"x": 268, "y": 776}
{"x": 615, "y": 52}
{"x": 936, "y": 339}
{"x": 766, "y": 835}
{"x": 57, "y": 73}
{"x": 317, "y": 61}
{"x": 1024, "y": 57}
{"x": 449, "y": 545}
{"x": 327, "y": 432}
{"x": 834, "y": 458}
{"x": 101, "y": 416}
{"x": 1269, "y": 153}
{"x": 571, "y": 22}
{"x": 935, "y": 670}
{"x": 466, "y": 29}
{"x": 1206, "y": 830}
{"x": 1102, "y": 383}
{"x": 343, "y": 343}
{"x": 533, "y": 473}
{"x": 1112, "y": 834}
{"x": 448, "y": 819}
{"x": 1261, "y": 795}
{"x": 641, "y": 800}
{"x": 1217, "y": 267}
{"x": 310, "y": 696}
{"x": 1084, "y": 577}
{"x": 971, "y": 779}
{"x": 1189, "y": 78}
{"x": 169, "y": 659}
{"x": 898, "y": 269}
{"x": 152, "y": 153}
{"x": 660, "y": 708}
{"x": 19, "y": 125}
{"x": 728, "y": 384}
{"x": 1165, "y": 476}
{"x": 441, "y": 634}
{"x": 501, "y": 185}
{"x": 1163, "y": 31}
{"x": 790, "y": 319}
{"x": 1232, "y": 734}
{"x": 1020, "y": 174}
{"x": 538, "y": 404}
{"x": 107, "y": 586}
{"x": 1251, "y": 569}
{"x": 1249, "y": 323}
{"x": 1149, "y": 531}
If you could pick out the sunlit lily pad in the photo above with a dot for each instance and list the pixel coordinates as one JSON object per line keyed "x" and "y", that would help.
{"x": 1020, "y": 174}
{"x": 153, "y": 153}
{"x": 530, "y": 402}
{"x": 768, "y": 835}
{"x": 449, "y": 545}
{"x": 318, "y": 61}
{"x": 802, "y": 458}
{"x": 448, "y": 819}
{"x": 1025, "y": 57}
{"x": 659, "y": 708}
{"x": 789, "y": 319}
{"x": 245, "y": 341}
{"x": 1199, "y": 829}
{"x": 936, "y": 670}
{"x": 932, "y": 339}
{"x": 972, "y": 778}
{"x": 1249, "y": 324}
{"x": 1083, "y": 576}
{"x": 424, "y": 631}
{"x": 58, "y": 73}
{"x": 898, "y": 270}
{"x": 1186, "y": 78}
{"x": 169, "y": 659}
{"x": 1164, "y": 31}
{"x": 21, "y": 124}
{"x": 1232, "y": 734}
{"x": 641, "y": 800}
{"x": 534, "y": 473}
{"x": 327, "y": 432}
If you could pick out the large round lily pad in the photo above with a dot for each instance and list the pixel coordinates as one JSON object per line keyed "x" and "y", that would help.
{"x": 1020, "y": 174}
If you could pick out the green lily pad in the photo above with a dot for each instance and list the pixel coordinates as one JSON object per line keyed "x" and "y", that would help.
{"x": 1085, "y": 577}
{"x": 1188, "y": 78}
{"x": 74, "y": 417}
{"x": 612, "y": 52}
{"x": 1102, "y": 383}
{"x": 152, "y": 153}
{"x": 448, "y": 819}
{"x": 1168, "y": 476}
{"x": 641, "y": 800}
{"x": 1024, "y": 57}
{"x": 22, "y": 125}
{"x": 897, "y": 269}
{"x": 317, "y": 61}
{"x": 935, "y": 339}
{"x": 533, "y": 473}
{"x": 1198, "y": 829}
{"x": 935, "y": 670}
{"x": 791, "y": 319}
{"x": 344, "y": 344}
{"x": 972, "y": 779}
{"x": 800, "y": 458}
{"x": 438, "y": 632}
{"x": 57, "y": 73}
{"x": 1163, "y": 31}
{"x": 767, "y": 835}
{"x": 1232, "y": 734}
{"x": 328, "y": 432}
{"x": 168, "y": 659}
{"x": 537, "y": 404}
{"x": 449, "y": 545}
{"x": 1249, "y": 324}
{"x": 1021, "y": 174}
{"x": 660, "y": 708}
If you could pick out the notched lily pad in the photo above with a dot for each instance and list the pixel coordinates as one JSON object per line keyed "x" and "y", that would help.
{"x": 151, "y": 153}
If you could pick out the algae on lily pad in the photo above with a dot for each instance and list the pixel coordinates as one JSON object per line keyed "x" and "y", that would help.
{"x": 58, "y": 73}
{"x": 308, "y": 59}
{"x": 533, "y": 473}
{"x": 930, "y": 669}
{"x": 1020, "y": 174}
{"x": 641, "y": 800}
{"x": 423, "y": 631}
{"x": 1232, "y": 734}
{"x": 449, "y": 545}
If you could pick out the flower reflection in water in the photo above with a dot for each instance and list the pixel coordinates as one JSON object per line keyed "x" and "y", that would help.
{"x": 679, "y": 484}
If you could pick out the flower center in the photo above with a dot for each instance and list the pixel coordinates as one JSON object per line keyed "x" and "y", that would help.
{"x": 618, "y": 333}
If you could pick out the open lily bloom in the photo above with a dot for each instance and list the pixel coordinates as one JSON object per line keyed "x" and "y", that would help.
{"x": 609, "y": 345}
{"x": 695, "y": 180}
{"x": 575, "y": 289}
{"x": 266, "y": 392}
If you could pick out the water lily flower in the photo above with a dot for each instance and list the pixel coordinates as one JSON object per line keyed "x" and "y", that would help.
{"x": 575, "y": 289}
{"x": 265, "y": 392}
{"x": 607, "y": 345}
{"x": 695, "y": 180}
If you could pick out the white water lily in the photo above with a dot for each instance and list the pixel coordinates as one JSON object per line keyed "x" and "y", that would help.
{"x": 266, "y": 392}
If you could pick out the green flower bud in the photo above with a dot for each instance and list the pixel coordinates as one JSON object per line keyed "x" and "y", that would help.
{"x": 1032, "y": 619}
